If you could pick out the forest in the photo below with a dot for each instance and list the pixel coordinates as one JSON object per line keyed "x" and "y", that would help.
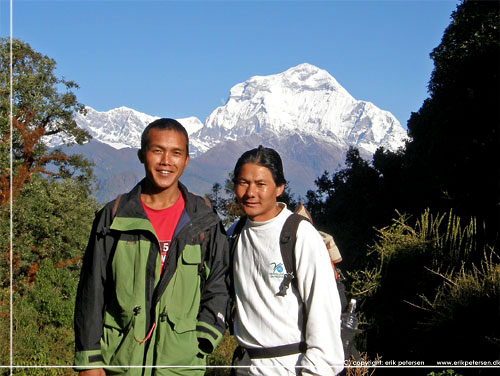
{"x": 418, "y": 228}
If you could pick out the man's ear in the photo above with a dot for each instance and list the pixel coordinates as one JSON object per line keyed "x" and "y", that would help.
{"x": 140, "y": 155}
{"x": 280, "y": 189}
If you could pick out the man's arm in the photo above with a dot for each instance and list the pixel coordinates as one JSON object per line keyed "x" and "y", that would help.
{"x": 89, "y": 305}
{"x": 318, "y": 288}
{"x": 215, "y": 295}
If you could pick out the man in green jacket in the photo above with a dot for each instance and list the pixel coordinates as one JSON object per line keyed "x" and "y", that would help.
{"x": 153, "y": 295}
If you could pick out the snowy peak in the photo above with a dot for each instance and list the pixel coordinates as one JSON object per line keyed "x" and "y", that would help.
{"x": 122, "y": 127}
{"x": 309, "y": 77}
{"x": 303, "y": 100}
{"x": 304, "y": 77}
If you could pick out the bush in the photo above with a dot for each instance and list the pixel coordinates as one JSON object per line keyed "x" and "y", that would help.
{"x": 465, "y": 312}
{"x": 424, "y": 285}
{"x": 222, "y": 357}
{"x": 50, "y": 228}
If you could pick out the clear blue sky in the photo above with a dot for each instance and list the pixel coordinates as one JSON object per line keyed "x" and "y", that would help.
{"x": 180, "y": 58}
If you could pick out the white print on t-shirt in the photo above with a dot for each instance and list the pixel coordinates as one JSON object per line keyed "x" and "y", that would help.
{"x": 164, "y": 246}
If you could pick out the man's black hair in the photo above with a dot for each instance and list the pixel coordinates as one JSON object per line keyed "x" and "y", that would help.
{"x": 265, "y": 157}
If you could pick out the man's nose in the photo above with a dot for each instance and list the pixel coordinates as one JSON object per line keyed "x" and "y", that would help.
{"x": 165, "y": 158}
{"x": 251, "y": 190}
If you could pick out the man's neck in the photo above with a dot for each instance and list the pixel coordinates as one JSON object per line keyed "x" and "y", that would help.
{"x": 160, "y": 200}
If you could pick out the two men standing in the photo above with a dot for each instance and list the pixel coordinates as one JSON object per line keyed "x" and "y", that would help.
{"x": 154, "y": 288}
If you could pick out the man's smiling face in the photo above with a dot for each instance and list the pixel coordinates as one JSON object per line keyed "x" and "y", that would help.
{"x": 165, "y": 159}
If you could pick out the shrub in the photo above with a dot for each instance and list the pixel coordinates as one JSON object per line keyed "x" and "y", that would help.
{"x": 422, "y": 281}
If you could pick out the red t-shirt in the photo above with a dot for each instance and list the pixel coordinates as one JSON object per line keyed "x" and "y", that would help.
{"x": 164, "y": 222}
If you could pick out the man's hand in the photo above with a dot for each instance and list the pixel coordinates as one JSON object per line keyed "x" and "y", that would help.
{"x": 93, "y": 372}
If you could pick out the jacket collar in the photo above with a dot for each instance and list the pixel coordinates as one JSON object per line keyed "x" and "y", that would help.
{"x": 130, "y": 207}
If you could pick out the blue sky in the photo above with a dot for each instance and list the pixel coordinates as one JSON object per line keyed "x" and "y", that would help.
{"x": 180, "y": 58}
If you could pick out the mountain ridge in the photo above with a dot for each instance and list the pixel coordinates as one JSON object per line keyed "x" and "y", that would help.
{"x": 306, "y": 100}
{"x": 304, "y": 113}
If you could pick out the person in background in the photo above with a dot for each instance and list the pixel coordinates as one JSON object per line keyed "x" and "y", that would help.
{"x": 153, "y": 288}
{"x": 297, "y": 333}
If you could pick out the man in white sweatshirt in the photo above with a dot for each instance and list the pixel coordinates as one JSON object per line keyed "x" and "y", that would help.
{"x": 297, "y": 333}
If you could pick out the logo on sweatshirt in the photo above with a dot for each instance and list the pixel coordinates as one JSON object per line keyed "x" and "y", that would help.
{"x": 277, "y": 270}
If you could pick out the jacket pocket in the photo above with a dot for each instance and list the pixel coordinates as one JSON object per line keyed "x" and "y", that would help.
{"x": 191, "y": 255}
{"x": 177, "y": 342}
{"x": 182, "y": 295}
{"x": 119, "y": 346}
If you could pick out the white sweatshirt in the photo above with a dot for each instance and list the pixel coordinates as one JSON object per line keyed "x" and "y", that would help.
{"x": 266, "y": 320}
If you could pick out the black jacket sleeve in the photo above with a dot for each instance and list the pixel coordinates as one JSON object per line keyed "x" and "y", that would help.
{"x": 90, "y": 298}
{"x": 215, "y": 293}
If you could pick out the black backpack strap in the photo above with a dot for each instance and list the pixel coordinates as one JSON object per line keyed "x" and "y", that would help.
{"x": 106, "y": 230}
{"x": 233, "y": 241}
{"x": 236, "y": 233}
{"x": 288, "y": 238}
{"x": 202, "y": 271}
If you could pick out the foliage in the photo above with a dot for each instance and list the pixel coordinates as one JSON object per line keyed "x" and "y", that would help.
{"x": 451, "y": 160}
{"x": 465, "y": 309}
{"x": 288, "y": 198}
{"x": 225, "y": 203}
{"x": 454, "y": 135}
{"x": 50, "y": 228}
{"x": 448, "y": 372}
{"x": 51, "y": 220}
{"x": 4, "y": 326}
{"x": 219, "y": 362}
{"x": 353, "y": 201}
{"x": 424, "y": 285}
{"x": 39, "y": 110}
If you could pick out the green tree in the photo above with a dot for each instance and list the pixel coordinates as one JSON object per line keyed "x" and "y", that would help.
{"x": 51, "y": 225}
{"x": 52, "y": 207}
{"x": 348, "y": 205}
{"x": 216, "y": 199}
{"x": 288, "y": 197}
{"x": 43, "y": 105}
{"x": 225, "y": 203}
{"x": 452, "y": 160}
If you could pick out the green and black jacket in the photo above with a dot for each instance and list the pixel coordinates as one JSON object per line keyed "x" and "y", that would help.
{"x": 121, "y": 294}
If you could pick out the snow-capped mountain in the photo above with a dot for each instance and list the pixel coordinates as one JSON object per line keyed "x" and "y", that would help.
{"x": 304, "y": 113}
{"x": 121, "y": 127}
{"x": 303, "y": 100}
